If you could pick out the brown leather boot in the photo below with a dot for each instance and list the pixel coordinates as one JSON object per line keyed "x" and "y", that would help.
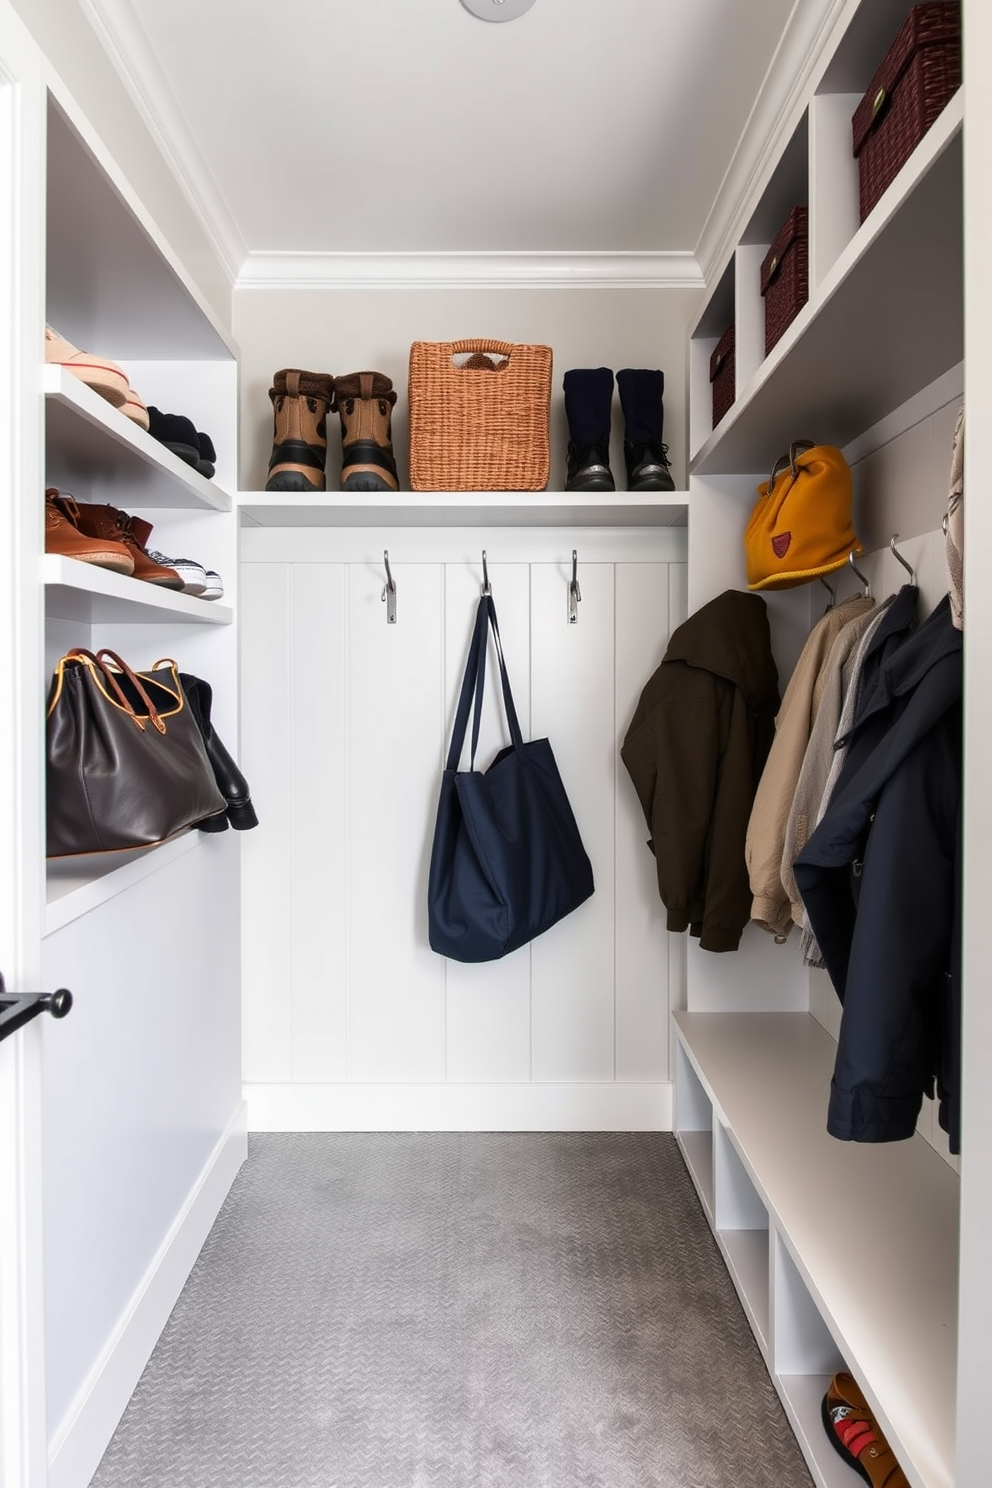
{"x": 300, "y": 403}
{"x": 365, "y": 401}
{"x": 62, "y": 536}
{"x": 109, "y": 522}
{"x": 854, "y": 1432}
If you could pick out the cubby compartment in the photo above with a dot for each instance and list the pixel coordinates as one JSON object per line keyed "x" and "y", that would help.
{"x": 694, "y": 1127}
{"x": 741, "y": 1221}
{"x": 804, "y": 1360}
{"x": 717, "y": 317}
{"x": 787, "y": 189}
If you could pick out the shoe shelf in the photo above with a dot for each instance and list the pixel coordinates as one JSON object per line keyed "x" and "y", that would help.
{"x": 844, "y": 1255}
{"x": 89, "y": 443}
{"x": 885, "y": 312}
{"x": 465, "y": 509}
{"x": 91, "y": 595}
{"x": 75, "y": 886}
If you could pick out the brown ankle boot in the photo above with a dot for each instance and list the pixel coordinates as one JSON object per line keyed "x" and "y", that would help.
{"x": 62, "y": 536}
{"x": 365, "y": 402}
{"x": 109, "y": 522}
{"x": 300, "y": 403}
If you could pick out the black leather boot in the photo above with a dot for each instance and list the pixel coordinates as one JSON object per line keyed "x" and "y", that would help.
{"x": 232, "y": 784}
{"x": 588, "y": 396}
{"x": 646, "y": 458}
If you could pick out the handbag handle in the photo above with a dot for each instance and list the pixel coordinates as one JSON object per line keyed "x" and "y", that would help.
{"x": 473, "y": 685}
{"x": 798, "y": 446}
{"x": 97, "y": 661}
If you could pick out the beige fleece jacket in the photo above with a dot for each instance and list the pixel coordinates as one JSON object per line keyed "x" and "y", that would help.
{"x": 770, "y": 906}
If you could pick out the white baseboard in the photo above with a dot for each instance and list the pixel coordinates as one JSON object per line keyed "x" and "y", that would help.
{"x": 81, "y": 1438}
{"x": 606, "y": 1106}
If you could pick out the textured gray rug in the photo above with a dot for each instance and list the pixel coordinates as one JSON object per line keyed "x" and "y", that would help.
{"x": 449, "y": 1311}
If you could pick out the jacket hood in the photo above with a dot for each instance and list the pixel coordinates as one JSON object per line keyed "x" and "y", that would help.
{"x": 730, "y": 637}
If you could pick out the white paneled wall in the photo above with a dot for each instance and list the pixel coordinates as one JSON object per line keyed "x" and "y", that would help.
{"x": 350, "y": 1019}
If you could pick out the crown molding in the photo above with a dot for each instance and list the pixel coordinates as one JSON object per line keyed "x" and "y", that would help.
{"x": 470, "y": 271}
{"x": 126, "y": 42}
{"x": 772, "y": 119}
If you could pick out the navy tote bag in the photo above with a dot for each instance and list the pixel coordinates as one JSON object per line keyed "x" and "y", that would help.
{"x": 507, "y": 861}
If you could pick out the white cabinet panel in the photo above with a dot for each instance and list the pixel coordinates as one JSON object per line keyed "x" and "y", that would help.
{"x": 318, "y": 870}
{"x": 572, "y": 704}
{"x": 642, "y": 963}
{"x": 267, "y": 891}
{"x": 396, "y": 720}
{"x": 488, "y": 1005}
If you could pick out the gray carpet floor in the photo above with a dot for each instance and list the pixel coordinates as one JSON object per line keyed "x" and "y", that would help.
{"x": 457, "y": 1311}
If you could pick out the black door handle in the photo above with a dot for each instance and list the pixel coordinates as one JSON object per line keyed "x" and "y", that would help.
{"x": 16, "y": 1011}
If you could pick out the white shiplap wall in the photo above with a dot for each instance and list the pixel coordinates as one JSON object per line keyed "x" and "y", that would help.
{"x": 350, "y": 1020}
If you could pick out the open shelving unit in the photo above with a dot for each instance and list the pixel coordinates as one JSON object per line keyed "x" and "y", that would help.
{"x": 843, "y": 1254}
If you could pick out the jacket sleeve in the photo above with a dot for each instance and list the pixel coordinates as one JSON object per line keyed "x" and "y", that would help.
{"x": 672, "y": 756}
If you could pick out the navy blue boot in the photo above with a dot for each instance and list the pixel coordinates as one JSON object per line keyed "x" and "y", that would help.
{"x": 588, "y": 396}
{"x": 646, "y": 457}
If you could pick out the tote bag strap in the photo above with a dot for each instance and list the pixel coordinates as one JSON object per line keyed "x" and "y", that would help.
{"x": 473, "y": 685}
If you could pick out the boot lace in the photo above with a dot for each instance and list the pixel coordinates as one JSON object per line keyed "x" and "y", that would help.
{"x": 581, "y": 455}
{"x": 649, "y": 453}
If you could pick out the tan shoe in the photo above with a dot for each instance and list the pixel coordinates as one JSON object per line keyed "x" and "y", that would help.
{"x": 99, "y": 373}
{"x": 64, "y": 538}
{"x": 135, "y": 409}
{"x": 109, "y": 522}
{"x": 854, "y": 1432}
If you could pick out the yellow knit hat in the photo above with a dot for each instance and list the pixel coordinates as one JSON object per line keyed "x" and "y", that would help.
{"x": 801, "y": 525}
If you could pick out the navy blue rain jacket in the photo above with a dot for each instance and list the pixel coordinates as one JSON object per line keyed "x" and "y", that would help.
{"x": 880, "y": 879}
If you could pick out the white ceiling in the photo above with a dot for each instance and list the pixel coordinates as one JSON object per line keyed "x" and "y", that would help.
{"x": 409, "y": 126}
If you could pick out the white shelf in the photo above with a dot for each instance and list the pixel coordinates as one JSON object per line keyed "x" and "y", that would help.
{"x": 114, "y": 286}
{"x": 74, "y": 886}
{"x": 886, "y": 320}
{"x": 90, "y": 440}
{"x": 465, "y": 509}
{"x": 92, "y": 596}
{"x": 871, "y": 1228}
{"x": 802, "y": 1395}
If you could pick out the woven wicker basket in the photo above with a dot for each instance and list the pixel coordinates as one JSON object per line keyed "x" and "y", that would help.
{"x": 482, "y": 426}
{"x": 919, "y": 76}
{"x": 785, "y": 276}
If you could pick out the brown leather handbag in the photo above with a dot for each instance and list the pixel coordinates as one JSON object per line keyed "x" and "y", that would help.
{"x": 127, "y": 766}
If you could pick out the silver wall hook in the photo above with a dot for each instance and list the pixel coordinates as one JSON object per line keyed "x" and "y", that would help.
{"x": 574, "y": 592}
{"x": 831, "y": 591}
{"x": 850, "y": 559}
{"x": 389, "y": 591}
{"x": 900, "y": 559}
{"x": 486, "y": 586}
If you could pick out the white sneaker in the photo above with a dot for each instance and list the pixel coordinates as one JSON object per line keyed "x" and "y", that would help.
{"x": 193, "y": 575}
{"x": 215, "y": 586}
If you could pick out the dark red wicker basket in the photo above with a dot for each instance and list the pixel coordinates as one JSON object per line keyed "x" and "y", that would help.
{"x": 920, "y": 74}
{"x": 785, "y": 275}
{"x": 723, "y": 375}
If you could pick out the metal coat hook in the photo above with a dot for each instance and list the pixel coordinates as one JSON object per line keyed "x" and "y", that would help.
{"x": 850, "y": 559}
{"x": 944, "y": 523}
{"x": 389, "y": 591}
{"x": 486, "y": 586}
{"x": 831, "y": 591}
{"x": 900, "y": 559}
{"x": 574, "y": 592}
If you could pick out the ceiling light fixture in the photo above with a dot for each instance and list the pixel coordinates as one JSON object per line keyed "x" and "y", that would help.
{"x": 497, "y": 10}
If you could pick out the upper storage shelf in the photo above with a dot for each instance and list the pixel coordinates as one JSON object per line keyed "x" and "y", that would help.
{"x": 113, "y": 286}
{"x": 885, "y": 311}
{"x": 464, "y": 509}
